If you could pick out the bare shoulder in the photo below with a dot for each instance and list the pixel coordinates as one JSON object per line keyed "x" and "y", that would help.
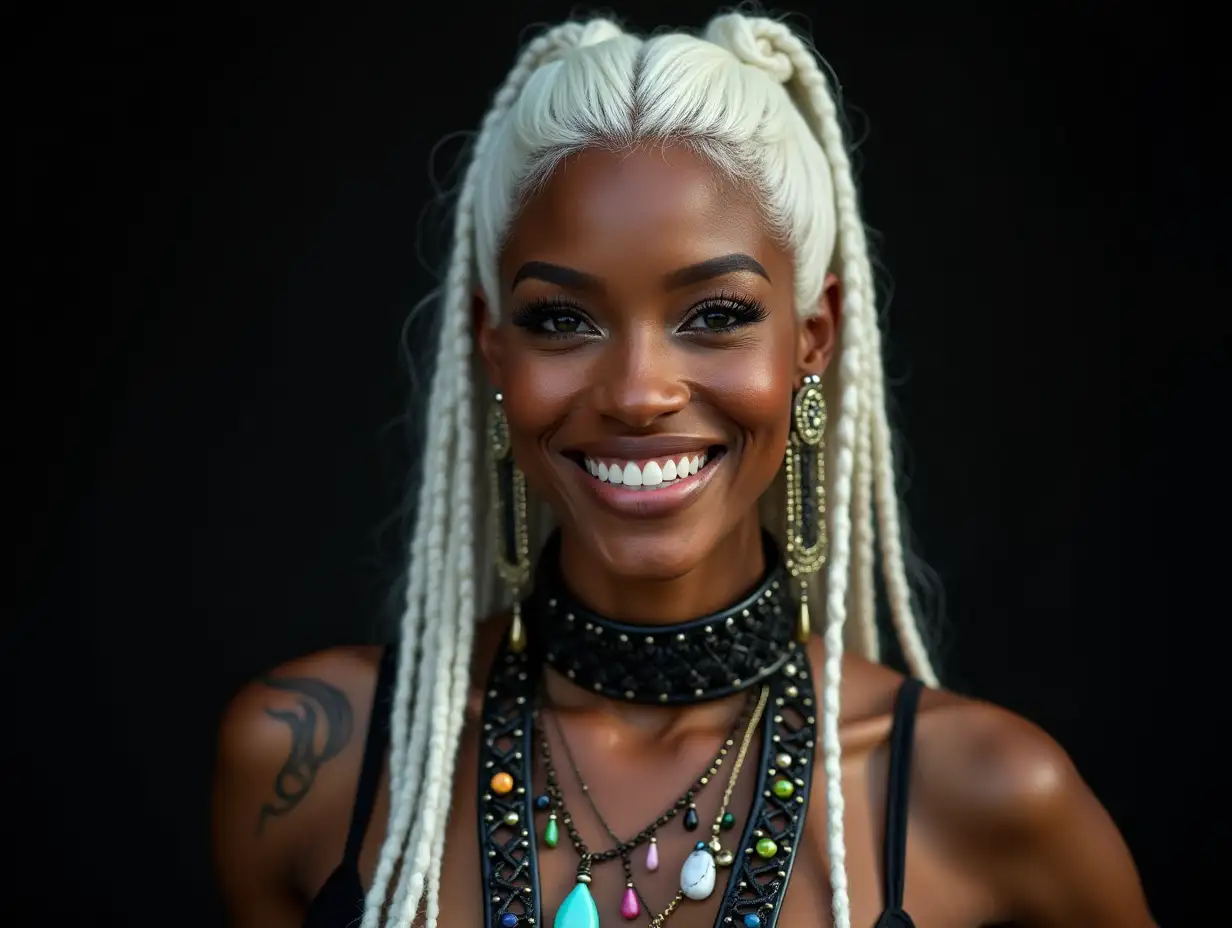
{"x": 1004, "y": 796}
{"x": 1011, "y": 795}
{"x": 981, "y": 767}
{"x": 289, "y": 751}
{"x": 1009, "y": 798}
{"x": 995, "y": 777}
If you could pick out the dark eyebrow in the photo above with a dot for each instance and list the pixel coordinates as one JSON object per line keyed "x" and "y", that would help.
{"x": 556, "y": 274}
{"x": 572, "y": 279}
{"x": 715, "y": 267}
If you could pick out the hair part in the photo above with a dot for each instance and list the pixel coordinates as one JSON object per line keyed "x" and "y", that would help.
{"x": 751, "y": 98}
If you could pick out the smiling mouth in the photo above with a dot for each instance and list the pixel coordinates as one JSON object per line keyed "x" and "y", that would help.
{"x": 649, "y": 474}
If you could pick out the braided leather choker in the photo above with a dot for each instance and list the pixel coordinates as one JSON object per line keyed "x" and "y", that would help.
{"x": 703, "y": 659}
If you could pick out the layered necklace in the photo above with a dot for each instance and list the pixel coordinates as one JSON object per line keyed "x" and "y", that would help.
{"x": 697, "y": 878}
{"x": 748, "y": 648}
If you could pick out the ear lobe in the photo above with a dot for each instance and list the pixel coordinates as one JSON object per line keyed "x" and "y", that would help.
{"x": 487, "y": 338}
{"x": 818, "y": 334}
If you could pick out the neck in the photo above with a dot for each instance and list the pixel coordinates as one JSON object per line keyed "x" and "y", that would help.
{"x": 727, "y": 572}
{"x": 653, "y": 723}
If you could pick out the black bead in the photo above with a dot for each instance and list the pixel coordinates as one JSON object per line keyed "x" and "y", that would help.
{"x": 690, "y": 820}
{"x": 728, "y": 822}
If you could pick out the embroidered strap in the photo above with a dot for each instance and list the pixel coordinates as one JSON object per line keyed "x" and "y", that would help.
{"x": 506, "y": 819}
{"x": 776, "y": 821}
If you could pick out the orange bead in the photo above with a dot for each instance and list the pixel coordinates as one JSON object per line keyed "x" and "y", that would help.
{"x": 502, "y": 783}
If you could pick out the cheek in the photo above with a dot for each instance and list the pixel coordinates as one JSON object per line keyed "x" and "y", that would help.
{"x": 755, "y": 392}
{"x": 538, "y": 392}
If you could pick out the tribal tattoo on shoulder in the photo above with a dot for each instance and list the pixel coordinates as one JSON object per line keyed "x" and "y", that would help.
{"x": 321, "y": 726}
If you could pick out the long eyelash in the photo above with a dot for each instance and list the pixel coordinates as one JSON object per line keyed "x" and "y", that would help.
{"x": 746, "y": 311}
{"x": 533, "y": 314}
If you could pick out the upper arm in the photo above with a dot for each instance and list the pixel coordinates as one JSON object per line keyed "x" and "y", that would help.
{"x": 1075, "y": 867}
{"x": 283, "y": 779}
{"x": 1051, "y": 852}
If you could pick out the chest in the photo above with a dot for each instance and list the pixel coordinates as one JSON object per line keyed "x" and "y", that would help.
{"x": 938, "y": 893}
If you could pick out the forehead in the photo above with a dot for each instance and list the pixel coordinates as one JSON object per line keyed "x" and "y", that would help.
{"x": 651, "y": 209}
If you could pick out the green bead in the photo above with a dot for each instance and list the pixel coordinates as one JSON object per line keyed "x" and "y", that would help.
{"x": 728, "y": 822}
{"x": 767, "y": 848}
{"x": 551, "y": 834}
{"x": 783, "y": 789}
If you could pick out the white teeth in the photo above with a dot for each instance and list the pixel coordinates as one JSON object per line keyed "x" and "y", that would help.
{"x": 650, "y": 474}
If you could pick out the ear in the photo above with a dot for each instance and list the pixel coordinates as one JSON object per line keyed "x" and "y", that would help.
{"x": 489, "y": 338}
{"x": 818, "y": 335}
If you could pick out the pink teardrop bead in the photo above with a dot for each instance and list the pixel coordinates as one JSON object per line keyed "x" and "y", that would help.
{"x": 629, "y": 907}
{"x": 652, "y": 857}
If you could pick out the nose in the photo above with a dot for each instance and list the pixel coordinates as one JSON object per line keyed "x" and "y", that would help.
{"x": 641, "y": 380}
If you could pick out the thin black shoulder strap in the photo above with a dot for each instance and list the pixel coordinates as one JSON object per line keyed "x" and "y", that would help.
{"x": 901, "y": 737}
{"x": 374, "y": 755}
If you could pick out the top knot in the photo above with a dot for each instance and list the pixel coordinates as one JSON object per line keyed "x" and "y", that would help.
{"x": 599, "y": 30}
{"x": 753, "y": 41}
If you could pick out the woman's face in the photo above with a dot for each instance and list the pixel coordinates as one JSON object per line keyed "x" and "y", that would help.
{"x": 647, "y": 350}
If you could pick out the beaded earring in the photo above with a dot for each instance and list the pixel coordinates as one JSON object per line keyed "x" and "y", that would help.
{"x": 807, "y": 538}
{"x": 509, "y": 518}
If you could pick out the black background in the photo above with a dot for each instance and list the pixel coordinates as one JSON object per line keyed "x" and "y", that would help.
{"x": 219, "y": 215}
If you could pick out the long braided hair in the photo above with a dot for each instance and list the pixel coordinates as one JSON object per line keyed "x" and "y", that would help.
{"x": 750, "y": 96}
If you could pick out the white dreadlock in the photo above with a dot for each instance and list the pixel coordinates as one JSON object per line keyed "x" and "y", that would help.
{"x": 750, "y": 97}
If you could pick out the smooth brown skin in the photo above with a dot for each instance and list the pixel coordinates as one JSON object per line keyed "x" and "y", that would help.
{"x": 1002, "y": 828}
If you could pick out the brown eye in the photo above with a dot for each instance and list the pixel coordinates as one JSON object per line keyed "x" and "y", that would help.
{"x": 722, "y": 315}
{"x": 554, "y": 319}
{"x": 563, "y": 324}
{"x": 717, "y": 321}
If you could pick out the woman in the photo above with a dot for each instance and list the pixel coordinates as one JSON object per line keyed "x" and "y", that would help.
{"x": 660, "y": 269}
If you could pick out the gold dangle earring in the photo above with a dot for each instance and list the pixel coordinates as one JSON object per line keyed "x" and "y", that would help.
{"x": 509, "y": 518}
{"x": 807, "y": 537}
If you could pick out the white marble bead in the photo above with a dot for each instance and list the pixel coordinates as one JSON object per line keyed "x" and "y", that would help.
{"x": 697, "y": 875}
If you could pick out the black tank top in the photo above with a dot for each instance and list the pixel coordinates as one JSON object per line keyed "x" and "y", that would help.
{"x": 340, "y": 902}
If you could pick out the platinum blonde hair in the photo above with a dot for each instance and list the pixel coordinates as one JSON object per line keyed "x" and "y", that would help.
{"x": 750, "y": 96}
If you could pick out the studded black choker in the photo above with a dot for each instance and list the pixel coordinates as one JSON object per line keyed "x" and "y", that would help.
{"x": 695, "y": 661}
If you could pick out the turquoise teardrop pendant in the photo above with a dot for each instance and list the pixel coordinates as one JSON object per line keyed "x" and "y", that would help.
{"x": 578, "y": 910}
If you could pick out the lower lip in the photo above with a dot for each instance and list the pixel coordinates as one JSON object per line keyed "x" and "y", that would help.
{"x": 644, "y": 503}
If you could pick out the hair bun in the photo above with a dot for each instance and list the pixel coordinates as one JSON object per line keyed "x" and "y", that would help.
{"x": 599, "y": 30}
{"x": 753, "y": 42}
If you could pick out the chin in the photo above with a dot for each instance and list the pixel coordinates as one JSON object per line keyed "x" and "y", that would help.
{"x": 648, "y": 552}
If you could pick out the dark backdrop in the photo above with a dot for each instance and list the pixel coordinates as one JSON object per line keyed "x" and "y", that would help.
{"x": 218, "y": 214}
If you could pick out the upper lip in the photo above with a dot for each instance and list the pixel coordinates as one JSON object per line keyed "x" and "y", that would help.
{"x": 641, "y": 447}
